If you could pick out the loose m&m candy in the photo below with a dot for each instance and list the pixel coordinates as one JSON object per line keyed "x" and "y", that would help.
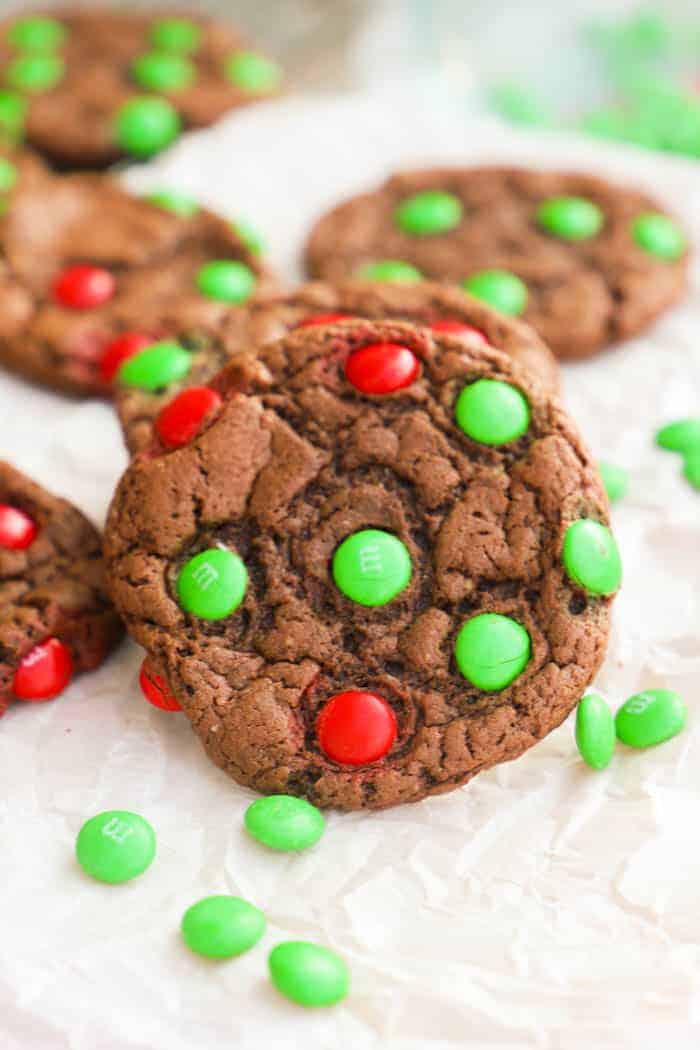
{"x": 221, "y": 927}
{"x": 595, "y": 731}
{"x": 115, "y": 846}
{"x": 308, "y": 974}
{"x": 284, "y": 823}
{"x": 650, "y": 718}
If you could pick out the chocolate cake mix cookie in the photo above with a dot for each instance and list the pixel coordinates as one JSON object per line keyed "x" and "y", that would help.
{"x": 86, "y": 87}
{"x": 55, "y": 616}
{"x": 90, "y": 273}
{"x": 382, "y": 565}
{"x": 446, "y": 309}
{"x": 586, "y": 262}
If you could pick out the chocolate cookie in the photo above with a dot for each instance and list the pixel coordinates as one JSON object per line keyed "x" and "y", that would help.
{"x": 55, "y": 616}
{"x": 264, "y": 321}
{"x": 88, "y": 87}
{"x": 382, "y": 566}
{"x": 586, "y": 262}
{"x": 89, "y": 273}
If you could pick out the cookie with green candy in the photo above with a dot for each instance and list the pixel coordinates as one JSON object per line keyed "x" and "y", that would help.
{"x": 381, "y": 564}
{"x": 585, "y": 261}
{"x": 96, "y": 281}
{"x": 88, "y": 87}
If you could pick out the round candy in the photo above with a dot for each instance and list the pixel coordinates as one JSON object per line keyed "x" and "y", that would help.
{"x": 44, "y": 672}
{"x": 160, "y": 71}
{"x": 226, "y": 280}
{"x": 429, "y": 212}
{"x": 308, "y": 974}
{"x": 212, "y": 584}
{"x": 115, "y": 846}
{"x": 156, "y": 366}
{"x": 573, "y": 218}
{"x": 17, "y": 530}
{"x": 382, "y": 368}
{"x": 252, "y": 72}
{"x": 119, "y": 351}
{"x": 37, "y": 34}
{"x": 321, "y": 319}
{"x": 181, "y": 420}
{"x": 658, "y": 235}
{"x": 35, "y": 72}
{"x": 650, "y": 717}
{"x": 284, "y": 823}
{"x": 250, "y": 237}
{"x": 12, "y": 111}
{"x": 8, "y": 175}
{"x": 615, "y": 479}
{"x": 145, "y": 125}
{"x": 595, "y": 731}
{"x": 84, "y": 287}
{"x": 591, "y": 557}
{"x": 355, "y": 728}
{"x": 155, "y": 689}
{"x": 492, "y": 650}
{"x": 691, "y": 467}
{"x": 371, "y": 567}
{"x": 450, "y": 327}
{"x": 176, "y": 34}
{"x": 221, "y": 927}
{"x": 680, "y": 436}
{"x": 393, "y": 271}
{"x": 492, "y": 412}
{"x": 500, "y": 289}
{"x": 176, "y": 201}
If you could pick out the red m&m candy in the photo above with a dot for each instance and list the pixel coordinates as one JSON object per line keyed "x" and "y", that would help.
{"x": 356, "y": 728}
{"x": 451, "y": 327}
{"x": 155, "y": 689}
{"x": 382, "y": 368}
{"x": 181, "y": 420}
{"x": 17, "y": 529}
{"x": 120, "y": 350}
{"x": 319, "y": 319}
{"x": 44, "y": 672}
{"x": 82, "y": 287}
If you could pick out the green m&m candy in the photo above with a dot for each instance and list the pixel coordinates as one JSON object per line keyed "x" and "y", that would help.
{"x": 37, "y": 34}
{"x": 252, "y": 239}
{"x": 12, "y": 112}
{"x": 591, "y": 557}
{"x": 8, "y": 175}
{"x": 252, "y": 72}
{"x": 226, "y": 280}
{"x": 492, "y": 650}
{"x": 650, "y": 718}
{"x": 595, "y": 731}
{"x": 145, "y": 125}
{"x": 615, "y": 480}
{"x": 176, "y": 34}
{"x": 658, "y": 235}
{"x": 492, "y": 412}
{"x": 572, "y": 218}
{"x": 176, "y": 201}
{"x": 285, "y": 823}
{"x": 429, "y": 212}
{"x": 220, "y": 927}
{"x": 683, "y": 435}
{"x": 392, "y": 270}
{"x": 212, "y": 584}
{"x": 499, "y": 288}
{"x": 371, "y": 567}
{"x": 35, "y": 72}
{"x": 308, "y": 974}
{"x": 161, "y": 71}
{"x": 691, "y": 467}
{"x": 115, "y": 846}
{"x": 156, "y": 366}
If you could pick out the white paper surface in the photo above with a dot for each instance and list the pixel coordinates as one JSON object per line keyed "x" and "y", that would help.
{"x": 542, "y": 906}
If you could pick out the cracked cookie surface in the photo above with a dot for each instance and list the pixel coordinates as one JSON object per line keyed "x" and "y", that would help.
{"x": 583, "y": 278}
{"x": 224, "y": 558}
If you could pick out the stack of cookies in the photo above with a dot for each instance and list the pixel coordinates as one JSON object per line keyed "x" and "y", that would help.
{"x": 364, "y": 547}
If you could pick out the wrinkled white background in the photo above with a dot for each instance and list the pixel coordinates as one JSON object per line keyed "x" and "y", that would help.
{"x": 542, "y": 906}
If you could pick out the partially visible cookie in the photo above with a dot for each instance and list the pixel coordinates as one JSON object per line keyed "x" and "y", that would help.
{"x": 382, "y": 566}
{"x": 55, "y": 616}
{"x": 83, "y": 264}
{"x": 584, "y": 261}
{"x": 86, "y": 87}
{"x": 263, "y": 321}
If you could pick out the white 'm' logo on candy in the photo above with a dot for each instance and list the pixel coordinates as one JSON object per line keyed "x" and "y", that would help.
{"x": 639, "y": 704}
{"x": 370, "y": 560}
{"x": 117, "y": 829}
{"x": 205, "y": 575}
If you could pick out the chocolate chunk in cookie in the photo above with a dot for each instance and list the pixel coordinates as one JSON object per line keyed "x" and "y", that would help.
{"x": 88, "y": 87}
{"x": 261, "y": 322}
{"x": 90, "y": 274}
{"x": 585, "y": 262}
{"x": 55, "y": 616}
{"x": 383, "y": 565}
